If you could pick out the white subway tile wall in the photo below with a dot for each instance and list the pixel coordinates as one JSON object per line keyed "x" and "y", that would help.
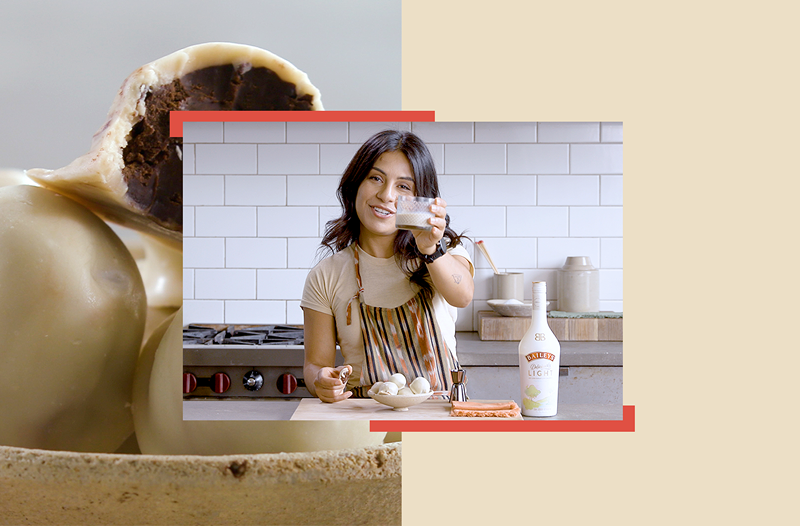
{"x": 257, "y": 197}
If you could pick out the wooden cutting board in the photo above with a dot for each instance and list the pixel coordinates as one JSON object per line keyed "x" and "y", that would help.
{"x": 494, "y": 327}
{"x": 369, "y": 409}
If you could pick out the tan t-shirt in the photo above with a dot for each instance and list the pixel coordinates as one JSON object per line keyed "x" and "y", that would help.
{"x": 332, "y": 282}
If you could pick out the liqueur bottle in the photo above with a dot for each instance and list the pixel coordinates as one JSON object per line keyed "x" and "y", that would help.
{"x": 539, "y": 355}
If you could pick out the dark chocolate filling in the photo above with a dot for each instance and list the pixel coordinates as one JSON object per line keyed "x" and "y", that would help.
{"x": 153, "y": 160}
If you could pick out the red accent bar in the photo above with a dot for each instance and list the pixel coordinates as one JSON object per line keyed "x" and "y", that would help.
{"x": 627, "y": 424}
{"x": 177, "y": 118}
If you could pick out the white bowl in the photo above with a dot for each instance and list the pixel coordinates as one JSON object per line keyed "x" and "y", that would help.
{"x": 511, "y": 309}
{"x": 401, "y": 402}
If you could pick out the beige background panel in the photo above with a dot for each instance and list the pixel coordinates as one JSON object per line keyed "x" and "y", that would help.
{"x": 707, "y": 94}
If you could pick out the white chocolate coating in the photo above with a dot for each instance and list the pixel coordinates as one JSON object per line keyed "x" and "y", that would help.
{"x": 162, "y": 272}
{"x": 12, "y": 177}
{"x": 72, "y": 315}
{"x": 95, "y": 179}
{"x": 420, "y": 385}
{"x": 375, "y": 388}
{"x": 398, "y": 379}
{"x": 160, "y": 428}
{"x": 388, "y": 388}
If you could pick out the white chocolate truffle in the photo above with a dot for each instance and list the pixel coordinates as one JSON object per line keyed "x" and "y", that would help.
{"x": 72, "y": 315}
{"x": 133, "y": 172}
{"x": 161, "y": 429}
{"x": 389, "y": 388}
{"x": 420, "y": 385}
{"x": 405, "y": 391}
{"x": 398, "y": 379}
{"x": 12, "y": 177}
{"x": 375, "y": 388}
{"x": 162, "y": 272}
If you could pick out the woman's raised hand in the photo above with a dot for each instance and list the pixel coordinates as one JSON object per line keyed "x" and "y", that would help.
{"x": 427, "y": 240}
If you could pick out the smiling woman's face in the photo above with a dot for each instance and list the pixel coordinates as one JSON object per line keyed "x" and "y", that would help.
{"x": 390, "y": 176}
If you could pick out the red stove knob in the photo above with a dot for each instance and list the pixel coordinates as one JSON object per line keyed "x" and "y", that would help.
{"x": 189, "y": 383}
{"x": 221, "y": 383}
{"x": 287, "y": 383}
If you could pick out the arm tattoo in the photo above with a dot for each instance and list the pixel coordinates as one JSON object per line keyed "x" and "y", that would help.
{"x": 457, "y": 278}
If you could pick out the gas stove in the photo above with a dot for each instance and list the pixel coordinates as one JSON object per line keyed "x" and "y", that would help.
{"x": 243, "y": 361}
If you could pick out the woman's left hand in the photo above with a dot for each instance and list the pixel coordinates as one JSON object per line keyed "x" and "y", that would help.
{"x": 428, "y": 240}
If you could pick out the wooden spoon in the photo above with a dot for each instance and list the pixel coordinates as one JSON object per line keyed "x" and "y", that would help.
{"x": 482, "y": 248}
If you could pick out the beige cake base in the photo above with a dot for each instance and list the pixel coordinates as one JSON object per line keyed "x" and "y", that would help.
{"x": 358, "y": 486}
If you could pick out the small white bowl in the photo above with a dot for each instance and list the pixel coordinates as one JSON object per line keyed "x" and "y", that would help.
{"x": 401, "y": 402}
{"x": 511, "y": 309}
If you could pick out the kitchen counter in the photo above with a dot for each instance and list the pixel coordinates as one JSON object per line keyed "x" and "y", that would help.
{"x": 472, "y": 351}
{"x": 366, "y": 409}
{"x": 590, "y": 385}
{"x": 590, "y": 371}
{"x": 260, "y": 409}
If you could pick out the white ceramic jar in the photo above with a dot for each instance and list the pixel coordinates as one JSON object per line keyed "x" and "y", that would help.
{"x": 578, "y": 285}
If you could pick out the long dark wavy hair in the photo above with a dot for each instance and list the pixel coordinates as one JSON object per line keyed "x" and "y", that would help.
{"x": 343, "y": 231}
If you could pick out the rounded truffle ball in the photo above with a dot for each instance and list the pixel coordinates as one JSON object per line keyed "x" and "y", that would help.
{"x": 72, "y": 315}
{"x": 389, "y": 388}
{"x": 420, "y": 385}
{"x": 398, "y": 379}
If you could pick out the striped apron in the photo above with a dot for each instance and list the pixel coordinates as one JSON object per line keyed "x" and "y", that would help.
{"x": 404, "y": 339}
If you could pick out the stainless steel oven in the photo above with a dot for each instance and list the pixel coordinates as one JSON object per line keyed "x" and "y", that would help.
{"x": 243, "y": 361}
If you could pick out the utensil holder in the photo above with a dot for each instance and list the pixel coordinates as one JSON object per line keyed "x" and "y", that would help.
{"x": 578, "y": 285}
{"x": 509, "y": 286}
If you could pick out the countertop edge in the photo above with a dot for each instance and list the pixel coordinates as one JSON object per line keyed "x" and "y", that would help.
{"x": 474, "y": 352}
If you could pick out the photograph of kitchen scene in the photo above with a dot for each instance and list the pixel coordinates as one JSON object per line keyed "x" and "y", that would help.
{"x": 265, "y": 303}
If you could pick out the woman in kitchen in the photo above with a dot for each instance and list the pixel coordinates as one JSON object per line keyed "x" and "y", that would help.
{"x": 387, "y": 297}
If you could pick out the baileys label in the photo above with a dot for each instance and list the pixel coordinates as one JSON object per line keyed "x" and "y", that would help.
{"x": 540, "y": 355}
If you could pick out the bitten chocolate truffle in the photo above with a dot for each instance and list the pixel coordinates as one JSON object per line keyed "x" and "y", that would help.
{"x": 133, "y": 173}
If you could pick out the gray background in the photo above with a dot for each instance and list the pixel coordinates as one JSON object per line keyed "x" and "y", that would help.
{"x": 63, "y": 62}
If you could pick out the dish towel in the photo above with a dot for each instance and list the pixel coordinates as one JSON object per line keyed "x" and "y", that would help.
{"x": 499, "y": 409}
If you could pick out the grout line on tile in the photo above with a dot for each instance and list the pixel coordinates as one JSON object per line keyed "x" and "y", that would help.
{"x": 569, "y": 159}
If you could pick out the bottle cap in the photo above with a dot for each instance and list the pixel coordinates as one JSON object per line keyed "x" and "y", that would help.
{"x": 539, "y": 286}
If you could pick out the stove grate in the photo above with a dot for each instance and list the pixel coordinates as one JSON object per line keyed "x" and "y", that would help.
{"x": 243, "y": 335}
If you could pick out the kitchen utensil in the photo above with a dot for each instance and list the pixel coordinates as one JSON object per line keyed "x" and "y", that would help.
{"x": 482, "y": 247}
{"x": 401, "y": 402}
{"x": 459, "y": 391}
